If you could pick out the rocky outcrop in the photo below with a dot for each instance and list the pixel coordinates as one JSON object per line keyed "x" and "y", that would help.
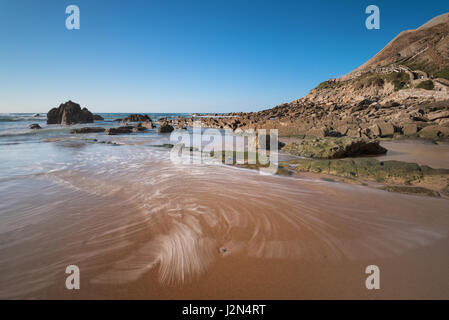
{"x": 97, "y": 117}
{"x": 118, "y": 130}
{"x": 34, "y": 126}
{"x": 147, "y": 124}
{"x": 138, "y": 127}
{"x": 136, "y": 118}
{"x": 397, "y": 176}
{"x": 434, "y": 132}
{"x": 334, "y": 148}
{"x": 165, "y": 127}
{"x": 69, "y": 113}
{"x": 87, "y": 130}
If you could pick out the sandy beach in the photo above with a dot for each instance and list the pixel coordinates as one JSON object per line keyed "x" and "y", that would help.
{"x": 154, "y": 230}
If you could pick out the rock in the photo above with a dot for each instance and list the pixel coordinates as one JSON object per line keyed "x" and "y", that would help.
{"x": 97, "y": 117}
{"x": 386, "y": 129}
{"x": 318, "y": 132}
{"x": 391, "y": 172}
{"x": 34, "y": 126}
{"x": 375, "y": 130}
{"x": 118, "y": 130}
{"x": 69, "y": 113}
{"x": 136, "y": 118}
{"x": 438, "y": 115}
{"x": 391, "y": 104}
{"x": 354, "y": 133}
{"x": 148, "y": 124}
{"x": 87, "y": 130}
{"x": 36, "y": 115}
{"x": 409, "y": 129}
{"x": 413, "y": 190}
{"x": 138, "y": 127}
{"x": 165, "y": 128}
{"x": 434, "y": 132}
{"x": 333, "y": 148}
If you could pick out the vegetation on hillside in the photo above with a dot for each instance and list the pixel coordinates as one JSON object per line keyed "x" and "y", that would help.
{"x": 443, "y": 73}
{"x": 400, "y": 80}
{"x": 330, "y": 85}
{"x": 428, "y": 85}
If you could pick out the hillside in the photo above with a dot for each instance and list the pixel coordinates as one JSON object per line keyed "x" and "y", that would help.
{"x": 425, "y": 49}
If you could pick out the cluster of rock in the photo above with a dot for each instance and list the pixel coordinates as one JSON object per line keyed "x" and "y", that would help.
{"x": 136, "y": 118}
{"x": 363, "y": 119}
{"x": 165, "y": 126}
{"x": 71, "y": 113}
{"x": 138, "y": 127}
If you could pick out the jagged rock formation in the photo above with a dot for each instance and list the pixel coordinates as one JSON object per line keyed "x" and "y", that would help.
{"x": 69, "y": 113}
{"x": 136, "y": 118}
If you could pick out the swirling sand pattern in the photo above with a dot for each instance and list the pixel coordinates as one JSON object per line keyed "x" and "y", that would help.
{"x": 131, "y": 211}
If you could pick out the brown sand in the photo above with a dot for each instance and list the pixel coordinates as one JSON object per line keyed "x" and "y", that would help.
{"x": 148, "y": 229}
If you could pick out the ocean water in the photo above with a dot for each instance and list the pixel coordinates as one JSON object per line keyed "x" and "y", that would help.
{"x": 14, "y": 126}
{"x": 22, "y": 149}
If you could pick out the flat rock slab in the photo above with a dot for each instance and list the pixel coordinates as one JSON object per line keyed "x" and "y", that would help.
{"x": 334, "y": 148}
{"x": 87, "y": 130}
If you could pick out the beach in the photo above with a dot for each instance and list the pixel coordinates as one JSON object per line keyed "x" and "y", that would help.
{"x": 141, "y": 227}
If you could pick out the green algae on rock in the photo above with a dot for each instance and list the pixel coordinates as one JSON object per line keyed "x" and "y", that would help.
{"x": 334, "y": 148}
{"x": 370, "y": 169}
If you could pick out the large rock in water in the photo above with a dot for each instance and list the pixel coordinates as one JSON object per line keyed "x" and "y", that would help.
{"x": 136, "y": 118}
{"x": 165, "y": 127}
{"x": 34, "y": 126}
{"x": 87, "y": 130}
{"x": 69, "y": 113}
{"x": 334, "y": 148}
{"x": 118, "y": 130}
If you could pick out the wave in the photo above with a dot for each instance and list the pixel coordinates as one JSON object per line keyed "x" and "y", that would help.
{"x": 18, "y": 119}
{"x": 29, "y": 132}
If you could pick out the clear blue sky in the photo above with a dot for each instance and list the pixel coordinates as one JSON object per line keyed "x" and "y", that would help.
{"x": 187, "y": 56}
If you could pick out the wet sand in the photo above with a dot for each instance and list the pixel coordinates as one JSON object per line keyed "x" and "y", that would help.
{"x": 140, "y": 227}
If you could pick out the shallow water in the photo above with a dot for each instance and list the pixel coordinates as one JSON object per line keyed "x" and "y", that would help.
{"x": 140, "y": 226}
{"x": 418, "y": 151}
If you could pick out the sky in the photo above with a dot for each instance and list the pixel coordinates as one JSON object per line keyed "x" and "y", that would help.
{"x": 185, "y": 55}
